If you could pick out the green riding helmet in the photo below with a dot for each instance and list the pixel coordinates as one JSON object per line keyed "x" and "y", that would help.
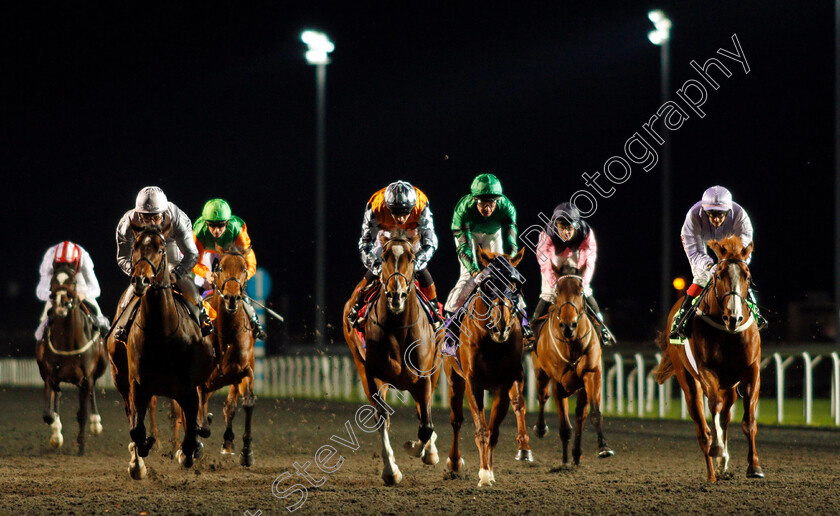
{"x": 486, "y": 186}
{"x": 216, "y": 210}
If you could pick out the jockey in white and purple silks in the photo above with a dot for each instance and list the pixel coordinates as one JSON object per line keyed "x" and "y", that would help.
{"x": 568, "y": 239}
{"x": 715, "y": 217}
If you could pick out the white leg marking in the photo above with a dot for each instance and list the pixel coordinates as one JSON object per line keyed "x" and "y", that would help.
{"x": 56, "y": 439}
{"x": 390, "y": 473}
{"x": 485, "y": 478}
{"x": 136, "y": 467}
{"x": 430, "y": 451}
{"x": 95, "y": 424}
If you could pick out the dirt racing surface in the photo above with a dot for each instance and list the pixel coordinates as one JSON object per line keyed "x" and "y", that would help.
{"x": 657, "y": 468}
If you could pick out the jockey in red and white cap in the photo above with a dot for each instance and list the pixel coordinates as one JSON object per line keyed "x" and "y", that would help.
{"x": 87, "y": 286}
{"x": 715, "y": 217}
{"x": 568, "y": 239}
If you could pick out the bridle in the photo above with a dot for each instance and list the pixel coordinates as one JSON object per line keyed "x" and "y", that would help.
{"x": 387, "y": 293}
{"x": 161, "y": 267}
{"x": 221, "y": 289}
{"x": 580, "y": 311}
{"x": 720, "y": 299}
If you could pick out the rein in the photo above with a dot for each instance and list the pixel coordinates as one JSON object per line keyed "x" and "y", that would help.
{"x": 74, "y": 352}
{"x": 719, "y": 301}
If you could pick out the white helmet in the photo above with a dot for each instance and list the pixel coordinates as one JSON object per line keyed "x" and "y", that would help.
{"x": 717, "y": 198}
{"x": 400, "y": 198}
{"x": 151, "y": 199}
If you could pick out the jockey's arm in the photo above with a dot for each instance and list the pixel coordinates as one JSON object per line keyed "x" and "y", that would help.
{"x": 463, "y": 236}
{"x": 125, "y": 239}
{"x": 743, "y": 228}
{"x": 89, "y": 286}
{"x": 182, "y": 232}
{"x": 45, "y": 271}
{"x": 428, "y": 239}
{"x": 370, "y": 230}
{"x": 695, "y": 247}
{"x": 509, "y": 231}
{"x": 243, "y": 241}
{"x": 200, "y": 270}
{"x": 588, "y": 255}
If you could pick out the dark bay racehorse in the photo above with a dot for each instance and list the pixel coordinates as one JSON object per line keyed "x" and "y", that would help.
{"x": 490, "y": 356}
{"x": 233, "y": 341}
{"x": 165, "y": 354}
{"x": 722, "y": 354}
{"x": 568, "y": 356}
{"x": 400, "y": 351}
{"x": 71, "y": 351}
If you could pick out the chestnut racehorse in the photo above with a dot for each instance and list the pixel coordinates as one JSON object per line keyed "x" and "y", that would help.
{"x": 165, "y": 354}
{"x": 233, "y": 341}
{"x": 722, "y": 354}
{"x": 568, "y": 356}
{"x": 72, "y": 351}
{"x": 400, "y": 351}
{"x": 490, "y": 355}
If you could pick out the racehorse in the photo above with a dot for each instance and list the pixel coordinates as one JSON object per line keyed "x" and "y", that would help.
{"x": 233, "y": 342}
{"x": 71, "y": 350}
{"x": 165, "y": 354}
{"x": 399, "y": 351}
{"x": 722, "y": 354}
{"x": 568, "y": 356}
{"x": 489, "y": 358}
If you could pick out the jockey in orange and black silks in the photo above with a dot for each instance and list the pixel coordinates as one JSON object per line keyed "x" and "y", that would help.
{"x": 715, "y": 217}
{"x": 218, "y": 226}
{"x": 397, "y": 206}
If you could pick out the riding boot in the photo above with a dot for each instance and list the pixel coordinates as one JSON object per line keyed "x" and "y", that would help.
{"x": 353, "y": 315}
{"x": 681, "y": 318}
{"x": 539, "y": 311}
{"x": 753, "y": 304}
{"x": 204, "y": 320}
{"x": 607, "y": 337}
{"x": 256, "y": 325}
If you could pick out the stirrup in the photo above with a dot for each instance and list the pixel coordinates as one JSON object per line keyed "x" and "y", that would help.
{"x": 259, "y": 332}
{"x": 529, "y": 344}
{"x": 120, "y": 335}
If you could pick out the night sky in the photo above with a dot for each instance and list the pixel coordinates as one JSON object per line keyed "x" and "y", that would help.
{"x": 220, "y": 103}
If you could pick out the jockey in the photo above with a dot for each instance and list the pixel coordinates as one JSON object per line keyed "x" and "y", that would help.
{"x": 486, "y": 218}
{"x": 567, "y": 237}
{"x": 398, "y": 206}
{"x": 153, "y": 209}
{"x": 715, "y": 217}
{"x": 87, "y": 286}
{"x": 217, "y": 226}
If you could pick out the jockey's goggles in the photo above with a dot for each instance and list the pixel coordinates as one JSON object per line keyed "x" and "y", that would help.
{"x": 217, "y": 223}
{"x": 151, "y": 218}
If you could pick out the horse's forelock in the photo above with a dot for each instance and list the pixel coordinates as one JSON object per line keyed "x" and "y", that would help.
{"x": 731, "y": 246}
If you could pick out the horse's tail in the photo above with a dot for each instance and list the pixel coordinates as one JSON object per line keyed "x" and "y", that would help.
{"x": 665, "y": 369}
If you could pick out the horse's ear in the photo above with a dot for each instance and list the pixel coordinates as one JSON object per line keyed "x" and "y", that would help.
{"x": 747, "y": 251}
{"x": 220, "y": 250}
{"x": 518, "y": 257}
{"x": 484, "y": 257}
{"x": 558, "y": 269}
{"x": 717, "y": 247}
{"x": 383, "y": 239}
{"x": 166, "y": 227}
{"x": 415, "y": 240}
{"x": 247, "y": 250}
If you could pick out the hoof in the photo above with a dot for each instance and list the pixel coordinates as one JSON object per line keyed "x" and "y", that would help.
{"x": 227, "y": 448}
{"x": 755, "y": 472}
{"x": 95, "y": 424}
{"x": 449, "y": 467}
{"x": 246, "y": 458}
{"x": 136, "y": 466}
{"x": 540, "y": 430}
{"x": 203, "y": 431}
{"x": 57, "y": 440}
{"x": 431, "y": 458}
{"x": 183, "y": 459}
{"x": 394, "y": 479}
{"x": 413, "y": 448}
{"x": 209, "y": 418}
{"x": 198, "y": 454}
{"x": 605, "y": 453}
{"x": 485, "y": 478}
{"x": 525, "y": 455}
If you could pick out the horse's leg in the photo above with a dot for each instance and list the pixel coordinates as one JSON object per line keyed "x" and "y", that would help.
{"x": 95, "y": 418}
{"x": 501, "y": 404}
{"x": 138, "y": 403}
{"x": 391, "y": 473}
{"x": 522, "y": 440}
{"x": 85, "y": 389}
{"x": 580, "y": 419}
{"x": 175, "y": 421}
{"x": 475, "y": 397}
{"x": 426, "y": 432}
{"x": 203, "y": 420}
{"x": 230, "y": 412}
{"x": 592, "y": 384}
{"x": 694, "y": 401}
{"x": 248, "y": 402}
{"x": 565, "y": 430}
{"x": 456, "y": 418}
{"x": 543, "y": 382}
{"x": 56, "y": 439}
{"x": 189, "y": 409}
{"x": 751, "y": 387}
{"x": 155, "y": 433}
{"x": 729, "y": 396}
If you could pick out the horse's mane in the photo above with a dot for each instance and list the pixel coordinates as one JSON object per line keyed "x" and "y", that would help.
{"x": 399, "y": 235}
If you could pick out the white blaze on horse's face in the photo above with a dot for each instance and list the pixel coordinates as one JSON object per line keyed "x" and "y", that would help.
{"x": 734, "y": 306}
{"x": 395, "y": 284}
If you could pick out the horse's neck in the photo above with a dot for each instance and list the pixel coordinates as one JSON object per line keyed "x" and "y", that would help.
{"x": 64, "y": 331}
{"x": 710, "y": 301}
{"x": 159, "y": 310}
{"x": 480, "y": 306}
